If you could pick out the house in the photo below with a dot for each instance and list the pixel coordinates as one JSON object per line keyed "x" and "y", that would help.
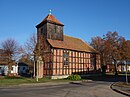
{"x": 14, "y": 69}
{"x": 59, "y": 55}
{"x": 121, "y": 66}
{"x": 22, "y": 68}
{"x": 3, "y": 62}
{"x": 25, "y": 64}
{"x": 18, "y": 68}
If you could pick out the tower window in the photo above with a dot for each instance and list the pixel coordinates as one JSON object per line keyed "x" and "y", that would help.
{"x": 55, "y": 28}
{"x": 41, "y": 30}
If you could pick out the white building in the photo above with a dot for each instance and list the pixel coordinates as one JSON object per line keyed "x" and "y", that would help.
{"x": 3, "y": 69}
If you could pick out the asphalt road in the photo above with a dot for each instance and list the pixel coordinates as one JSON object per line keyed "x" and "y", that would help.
{"x": 85, "y": 89}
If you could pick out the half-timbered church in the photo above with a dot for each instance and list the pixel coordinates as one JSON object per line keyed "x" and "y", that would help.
{"x": 59, "y": 55}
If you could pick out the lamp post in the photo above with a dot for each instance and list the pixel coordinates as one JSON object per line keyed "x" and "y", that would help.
{"x": 126, "y": 73}
{"x": 37, "y": 62}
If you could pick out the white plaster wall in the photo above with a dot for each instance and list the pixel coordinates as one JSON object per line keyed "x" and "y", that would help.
{"x": 4, "y": 69}
{"x": 15, "y": 69}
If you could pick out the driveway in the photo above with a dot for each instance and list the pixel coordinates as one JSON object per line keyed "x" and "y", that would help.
{"x": 84, "y": 89}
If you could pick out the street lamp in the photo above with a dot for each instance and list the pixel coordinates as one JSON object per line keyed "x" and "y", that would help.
{"x": 37, "y": 62}
{"x": 126, "y": 72}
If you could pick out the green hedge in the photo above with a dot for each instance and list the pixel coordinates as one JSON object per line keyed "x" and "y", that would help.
{"x": 74, "y": 77}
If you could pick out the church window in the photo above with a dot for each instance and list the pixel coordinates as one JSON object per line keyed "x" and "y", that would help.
{"x": 66, "y": 58}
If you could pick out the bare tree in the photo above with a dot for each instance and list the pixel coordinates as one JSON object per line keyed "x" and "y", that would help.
{"x": 30, "y": 50}
{"x": 30, "y": 45}
{"x": 11, "y": 47}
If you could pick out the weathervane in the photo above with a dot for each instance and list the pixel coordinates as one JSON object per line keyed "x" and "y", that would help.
{"x": 50, "y": 11}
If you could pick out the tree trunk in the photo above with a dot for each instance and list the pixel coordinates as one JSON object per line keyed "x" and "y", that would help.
{"x": 115, "y": 67}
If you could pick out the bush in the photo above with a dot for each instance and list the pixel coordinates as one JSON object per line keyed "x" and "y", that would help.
{"x": 74, "y": 77}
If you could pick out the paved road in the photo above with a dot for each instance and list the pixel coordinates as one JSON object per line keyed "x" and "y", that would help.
{"x": 85, "y": 89}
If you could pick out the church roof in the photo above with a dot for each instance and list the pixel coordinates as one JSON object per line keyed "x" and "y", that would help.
{"x": 50, "y": 18}
{"x": 72, "y": 43}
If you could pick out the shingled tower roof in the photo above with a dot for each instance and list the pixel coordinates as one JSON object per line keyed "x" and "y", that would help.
{"x": 51, "y": 19}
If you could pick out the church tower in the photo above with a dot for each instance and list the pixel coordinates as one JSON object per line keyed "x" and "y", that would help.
{"x": 50, "y": 28}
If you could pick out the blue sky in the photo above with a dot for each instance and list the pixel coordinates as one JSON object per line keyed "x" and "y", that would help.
{"x": 82, "y": 18}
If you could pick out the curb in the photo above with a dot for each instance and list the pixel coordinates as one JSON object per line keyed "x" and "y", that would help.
{"x": 80, "y": 82}
{"x": 119, "y": 90}
{"x": 47, "y": 84}
{"x": 44, "y": 84}
{"x": 35, "y": 84}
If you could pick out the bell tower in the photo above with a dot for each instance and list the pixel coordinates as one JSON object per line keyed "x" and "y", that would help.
{"x": 50, "y": 28}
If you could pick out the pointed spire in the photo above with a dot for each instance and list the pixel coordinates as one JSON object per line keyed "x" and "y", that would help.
{"x": 50, "y": 18}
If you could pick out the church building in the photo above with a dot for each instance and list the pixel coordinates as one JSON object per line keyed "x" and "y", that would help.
{"x": 59, "y": 55}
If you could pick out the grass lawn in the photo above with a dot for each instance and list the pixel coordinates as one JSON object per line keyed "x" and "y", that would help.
{"x": 122, "y": 84}
{"x": 17, "y": 81}
{"x": 121, "y": 73}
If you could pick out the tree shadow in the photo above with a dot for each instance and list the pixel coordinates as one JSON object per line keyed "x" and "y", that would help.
{"x": 107, "y": 78}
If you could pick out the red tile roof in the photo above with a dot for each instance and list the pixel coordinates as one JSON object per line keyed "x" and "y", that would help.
{"x": 72, "y": 43}
{"x": 3, "y": 57}
{"x": 50, "y": 18}
{"x": 2, "y": 51}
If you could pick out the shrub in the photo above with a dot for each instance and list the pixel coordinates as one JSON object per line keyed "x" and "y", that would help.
{"x": 74, "y": 77}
